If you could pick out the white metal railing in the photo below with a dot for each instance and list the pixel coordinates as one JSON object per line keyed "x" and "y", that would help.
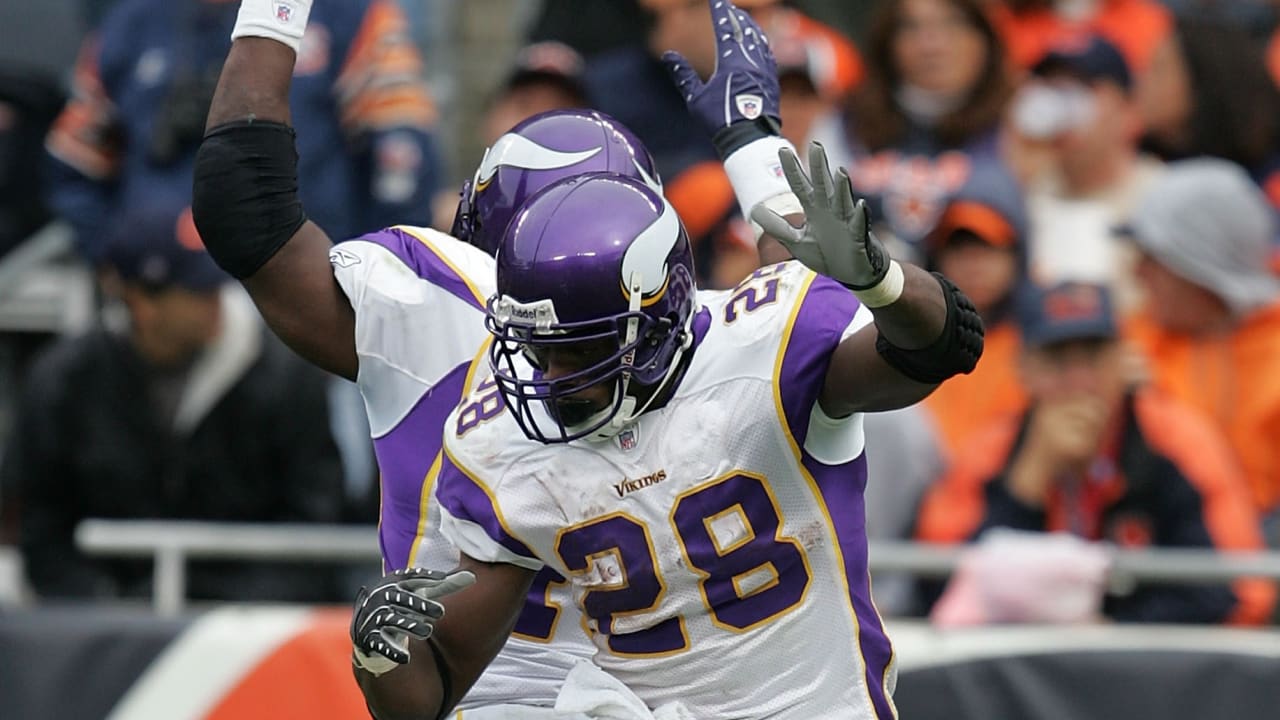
{"x": 46, "y": 244}
{"x": 173, "y": 543}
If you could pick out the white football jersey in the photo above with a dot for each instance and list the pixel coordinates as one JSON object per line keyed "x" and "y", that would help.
{"x": 419, "y": 297}
{"x": 717, "y": 545}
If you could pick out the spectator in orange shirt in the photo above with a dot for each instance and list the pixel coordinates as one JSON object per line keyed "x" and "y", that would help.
{"x": 1211, "y": 327}
{"x": 1031, "y": 27}
{"x": 1100, "y": 460}
{"x": 980, "y": 244}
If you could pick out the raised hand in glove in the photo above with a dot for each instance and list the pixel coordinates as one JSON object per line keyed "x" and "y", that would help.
{"x": 742, "y": 89}
{"x": 836, "y": 239}
{"x": 400, "y": 606}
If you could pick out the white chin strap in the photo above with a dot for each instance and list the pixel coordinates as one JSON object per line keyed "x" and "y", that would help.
{"x": 627, "y": 412}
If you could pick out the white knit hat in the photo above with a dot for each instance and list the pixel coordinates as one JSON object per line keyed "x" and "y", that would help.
{"x": 1207, "y": 221}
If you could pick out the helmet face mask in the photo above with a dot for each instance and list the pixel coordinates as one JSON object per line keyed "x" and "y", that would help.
{"x": 465, "y": 224}
{"x": 578, "y": 352}
{"x": 577, "y": 375}
{"x": 537, "y": 152}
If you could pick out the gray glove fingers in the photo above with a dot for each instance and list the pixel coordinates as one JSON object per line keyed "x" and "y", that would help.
{"x": 860, "y": 218}
{"x": 418, "y": 572}
{"x": 401, "y": 619}
{"x": 394, "y": 602}
{"x": 398, "y": 620}
{"x": 847, "y": 205}
{"x": 403, "y": 598}
{"x": 404, "y": 580}
{"x": 682, "y": 74}
{"x": 777, "y": 226}
{"x": 378, "y": 643}
{"x": 439, "y": 586}
{"x": 820, "y": 174}
{"x": 795, "y": 177}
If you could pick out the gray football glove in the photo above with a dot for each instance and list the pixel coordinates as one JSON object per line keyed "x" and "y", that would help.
{"x": 402, "y": 605}
{"x": 836, "y": 239}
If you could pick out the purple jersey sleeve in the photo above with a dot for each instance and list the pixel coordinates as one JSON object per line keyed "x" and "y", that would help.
{"x": 474, "y": 521}
{"x": 822, "y": 317}
{"x": 428, "y": 261}
{"x": 825, "y": 314}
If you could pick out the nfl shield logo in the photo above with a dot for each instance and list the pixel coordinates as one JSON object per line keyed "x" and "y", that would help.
{"x": 283, "y": 12}
{"x": 627, "y": 439}
{"x": 749, "y": 105}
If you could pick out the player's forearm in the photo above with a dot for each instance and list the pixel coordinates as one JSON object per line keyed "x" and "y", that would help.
{"x": 254, "y": 83}
{"x": 917, "y": 318}
{"x": 929, "y": 333}
{"x": 410, "y": 692}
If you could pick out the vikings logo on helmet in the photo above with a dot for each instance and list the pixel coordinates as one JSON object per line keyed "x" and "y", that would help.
{"x": 648, "y": 254}
{"x": 516, "y": 151}
{"x": 567, "y": 251}
{"x": 537, "y": 152}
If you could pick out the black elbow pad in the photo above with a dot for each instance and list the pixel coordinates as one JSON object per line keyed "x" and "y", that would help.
{"x": 244, "y": 199}
{"x": 955, "y": 352}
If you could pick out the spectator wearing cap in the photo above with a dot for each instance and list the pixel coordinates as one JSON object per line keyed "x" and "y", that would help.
{"x": 1097, "y": 458}
{"x": 1210, "y": 327}
{"x": 1078, "y": 116}
{"x": 178, "y": 407}
{"x": 546, "y": 76}
{"x": 1140, "y": 28}
{"x": 979, "y": 243}
{"x": 926, "y": 115}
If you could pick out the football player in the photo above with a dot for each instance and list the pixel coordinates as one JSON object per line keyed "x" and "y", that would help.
{"x": 399, "y": 311}
{"x": 404, "y": 319}
{"x": 692, "y": 463}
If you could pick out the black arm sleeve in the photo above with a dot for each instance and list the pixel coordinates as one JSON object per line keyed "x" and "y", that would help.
{"x": 244, "y": 197}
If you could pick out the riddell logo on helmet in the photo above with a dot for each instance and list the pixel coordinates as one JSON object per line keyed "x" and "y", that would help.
{"x": 525, "y": 314}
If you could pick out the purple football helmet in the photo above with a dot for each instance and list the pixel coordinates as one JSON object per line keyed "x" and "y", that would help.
{"x": 537, "y": 152}
{"x": 601, "y": 260}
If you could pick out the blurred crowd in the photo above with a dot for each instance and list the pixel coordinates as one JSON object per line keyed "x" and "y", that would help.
{"x": 1101, "y": 178}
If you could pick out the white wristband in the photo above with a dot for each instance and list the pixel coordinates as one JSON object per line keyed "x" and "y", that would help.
{"x": 885, "y": 292}
{"x": 756, "y": 174}
{"x": 280, "y": 20}
{"x": 783, "y": 205}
